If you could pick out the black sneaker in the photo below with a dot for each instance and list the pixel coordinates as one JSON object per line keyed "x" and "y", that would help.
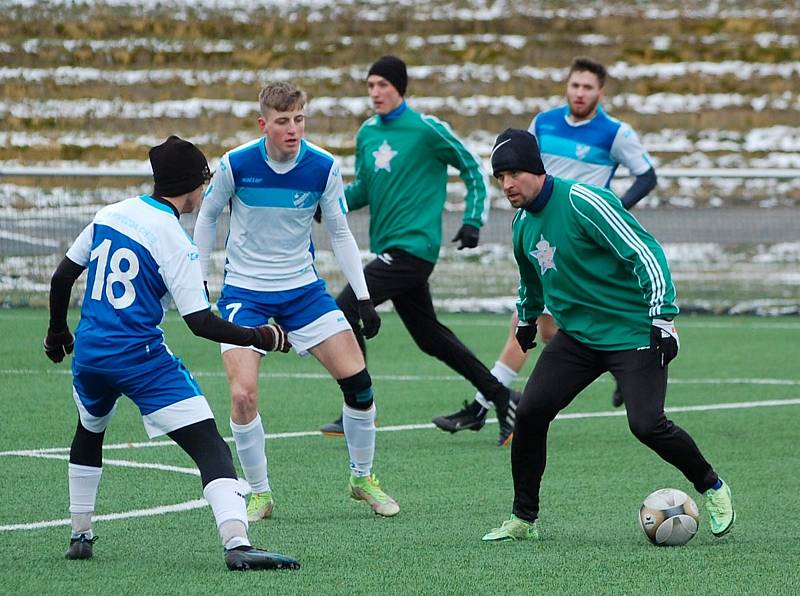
{"x": 506, "y": 415}
{"x": 333, "y": 429}
{"x": 247, "y": 558}
{"x": 616, "y": 399}
{"x": 80, "y": 547}
{"x": 471, "y": 417}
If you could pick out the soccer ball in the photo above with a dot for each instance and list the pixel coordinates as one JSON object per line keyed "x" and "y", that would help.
{"x": 668, "y": 517}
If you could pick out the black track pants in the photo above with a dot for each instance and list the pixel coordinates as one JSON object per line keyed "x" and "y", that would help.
{"x": 403, "y": 278}
{"x": 563, "y": 370}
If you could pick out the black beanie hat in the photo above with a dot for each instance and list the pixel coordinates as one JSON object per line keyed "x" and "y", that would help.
{"x": 516, "y": 149}
{"x": 393, "y": 70}
{"x": 178, "y": 167}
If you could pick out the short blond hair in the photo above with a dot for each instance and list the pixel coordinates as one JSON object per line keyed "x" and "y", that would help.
{"x": 281, "y": 97}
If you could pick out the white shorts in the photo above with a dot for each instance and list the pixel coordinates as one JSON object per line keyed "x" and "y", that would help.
{"x": 311, "y": 335}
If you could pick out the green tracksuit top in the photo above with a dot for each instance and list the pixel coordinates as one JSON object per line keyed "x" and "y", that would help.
{"x": 603, "y": 276}
{"x": 401, "y": 173}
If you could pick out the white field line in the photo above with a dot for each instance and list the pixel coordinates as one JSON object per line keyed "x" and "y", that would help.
{"x": 186, "y": 506}
{"x": 417, "y": 378}
{"x": 57, "y": 453}
{"x": 160, "y": 510}
{"x": 63, "y": 454}
{"x": 45, "y": 452}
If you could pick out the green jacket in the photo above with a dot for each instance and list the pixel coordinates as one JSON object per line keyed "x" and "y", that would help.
{"x": 601, "y": 274}
{"x": 401, "y": 173}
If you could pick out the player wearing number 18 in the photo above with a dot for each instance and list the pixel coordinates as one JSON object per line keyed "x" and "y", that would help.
{"x": 138, "y": 259}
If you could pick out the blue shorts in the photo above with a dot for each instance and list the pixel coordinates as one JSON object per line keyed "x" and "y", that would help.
{"x": 309, "y": 314}
{"x": 163, "y": 389}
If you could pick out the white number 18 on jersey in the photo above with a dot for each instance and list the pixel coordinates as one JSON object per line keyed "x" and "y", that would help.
{"x": 115, "y": 276}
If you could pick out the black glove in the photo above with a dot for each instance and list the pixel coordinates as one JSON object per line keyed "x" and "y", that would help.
{"x": 318, "y": 214}
{"x": 526, "y": 334}
{"x": 468, "y": 235}
{"x": 58, "y": 344}
{"x": 370, "y": 321}
{"x": 272, "y": 338}
{"x": 665, "y": 339}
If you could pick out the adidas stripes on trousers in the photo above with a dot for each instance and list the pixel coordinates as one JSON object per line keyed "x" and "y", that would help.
{"x": 566, "y": 367}
{"x": 403, "y": 278}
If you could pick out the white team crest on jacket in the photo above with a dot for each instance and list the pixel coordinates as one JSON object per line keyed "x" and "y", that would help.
{"x": 383, "y": 157}
{"x": 582, "y": 151}
{"x": 545, "y": 255}
{"x": 299, "y": 198}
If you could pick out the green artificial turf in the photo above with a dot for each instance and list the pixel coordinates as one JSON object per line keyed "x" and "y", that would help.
{"x": 451, "y": 488}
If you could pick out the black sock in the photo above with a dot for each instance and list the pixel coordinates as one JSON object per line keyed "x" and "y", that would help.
{"x": 476, "y": 409}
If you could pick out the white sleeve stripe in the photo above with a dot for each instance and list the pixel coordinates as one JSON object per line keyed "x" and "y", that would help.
{"x": 631, "y": 239}
{"x": 522, "y": 291}
{"x": 601, "y": 232}
{"x": 642, "y": 282}
{"x": 622, "y": 228}
{"x": 460, "y": 150}
{"x": 628, "y": 235}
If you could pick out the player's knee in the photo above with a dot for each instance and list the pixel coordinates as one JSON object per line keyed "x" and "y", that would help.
{"x": 429, "y": 345}
{"x": 547, "y": 328}
{"x": 357, "y": 390}
{"x": 244, "y": 402}
{"x": 547, "y": 333}
{"x": 534, "y": 408}
{"x": 646, "y": 429}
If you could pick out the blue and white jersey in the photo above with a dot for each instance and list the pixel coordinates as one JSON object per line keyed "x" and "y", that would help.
{"x": 138, "y": 258}
{"x": 272, "y": 206}
{"x": 589, "y": 151}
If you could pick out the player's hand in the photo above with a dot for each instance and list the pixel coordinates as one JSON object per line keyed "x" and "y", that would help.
{"x": 468, "y": 235}
{"x": 318, "y": 214}
{"x": 370, "y": 321}
{"x": 58, "y": 344}
{"x": 526, "y": 334}
{"x": 272, "y": 338}
{"x": 667, "y": 342}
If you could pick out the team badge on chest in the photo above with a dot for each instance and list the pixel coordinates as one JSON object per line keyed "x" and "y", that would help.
{"x": 544, "y": 255}
{"x": 383, "y": 157}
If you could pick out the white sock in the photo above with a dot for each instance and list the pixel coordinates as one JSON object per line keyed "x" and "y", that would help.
{"x": 230, "y": 512}
{"x": 252, "y": 451}
{"x": 359, "y": 432}
{"x": 83, "y": 483}
{"x": 503, "y": 373}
